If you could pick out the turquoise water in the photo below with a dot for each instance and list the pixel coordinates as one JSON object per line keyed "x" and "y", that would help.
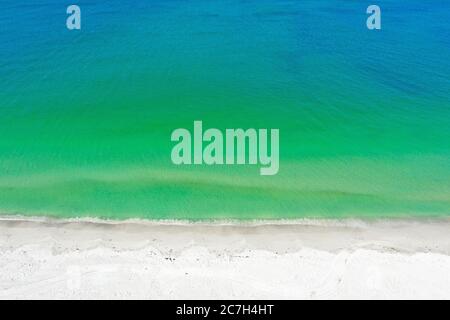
{"x": 86, "y": 116}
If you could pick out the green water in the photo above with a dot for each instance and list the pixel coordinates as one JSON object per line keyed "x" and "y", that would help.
{"x": 86, "y": 116}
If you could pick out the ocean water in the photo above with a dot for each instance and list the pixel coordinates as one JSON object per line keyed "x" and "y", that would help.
{"x": 86, "y": 115}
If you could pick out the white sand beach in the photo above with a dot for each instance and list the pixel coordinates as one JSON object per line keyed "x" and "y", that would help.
{"x": 55, "y": 259}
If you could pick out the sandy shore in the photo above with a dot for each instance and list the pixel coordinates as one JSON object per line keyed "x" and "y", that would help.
{"x": 45, "y": 258}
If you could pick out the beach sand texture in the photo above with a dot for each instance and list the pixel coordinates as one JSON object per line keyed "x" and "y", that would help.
{"x": 303, "y": 260}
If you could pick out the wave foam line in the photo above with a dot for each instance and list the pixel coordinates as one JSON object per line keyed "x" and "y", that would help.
{"x": 326, "y": 222}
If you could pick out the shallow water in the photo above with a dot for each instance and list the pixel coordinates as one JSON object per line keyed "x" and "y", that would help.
{"x": 86, "y": 116}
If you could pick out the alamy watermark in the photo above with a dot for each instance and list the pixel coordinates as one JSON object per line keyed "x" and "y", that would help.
{"x": 374, "y": 20}
{"x": 73, "y": 21}
{"x": 234, "y": 146}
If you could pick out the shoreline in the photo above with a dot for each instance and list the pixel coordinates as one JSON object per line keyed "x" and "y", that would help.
{"x": 312, "y": 221}
{"x": 309, "y": 259}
